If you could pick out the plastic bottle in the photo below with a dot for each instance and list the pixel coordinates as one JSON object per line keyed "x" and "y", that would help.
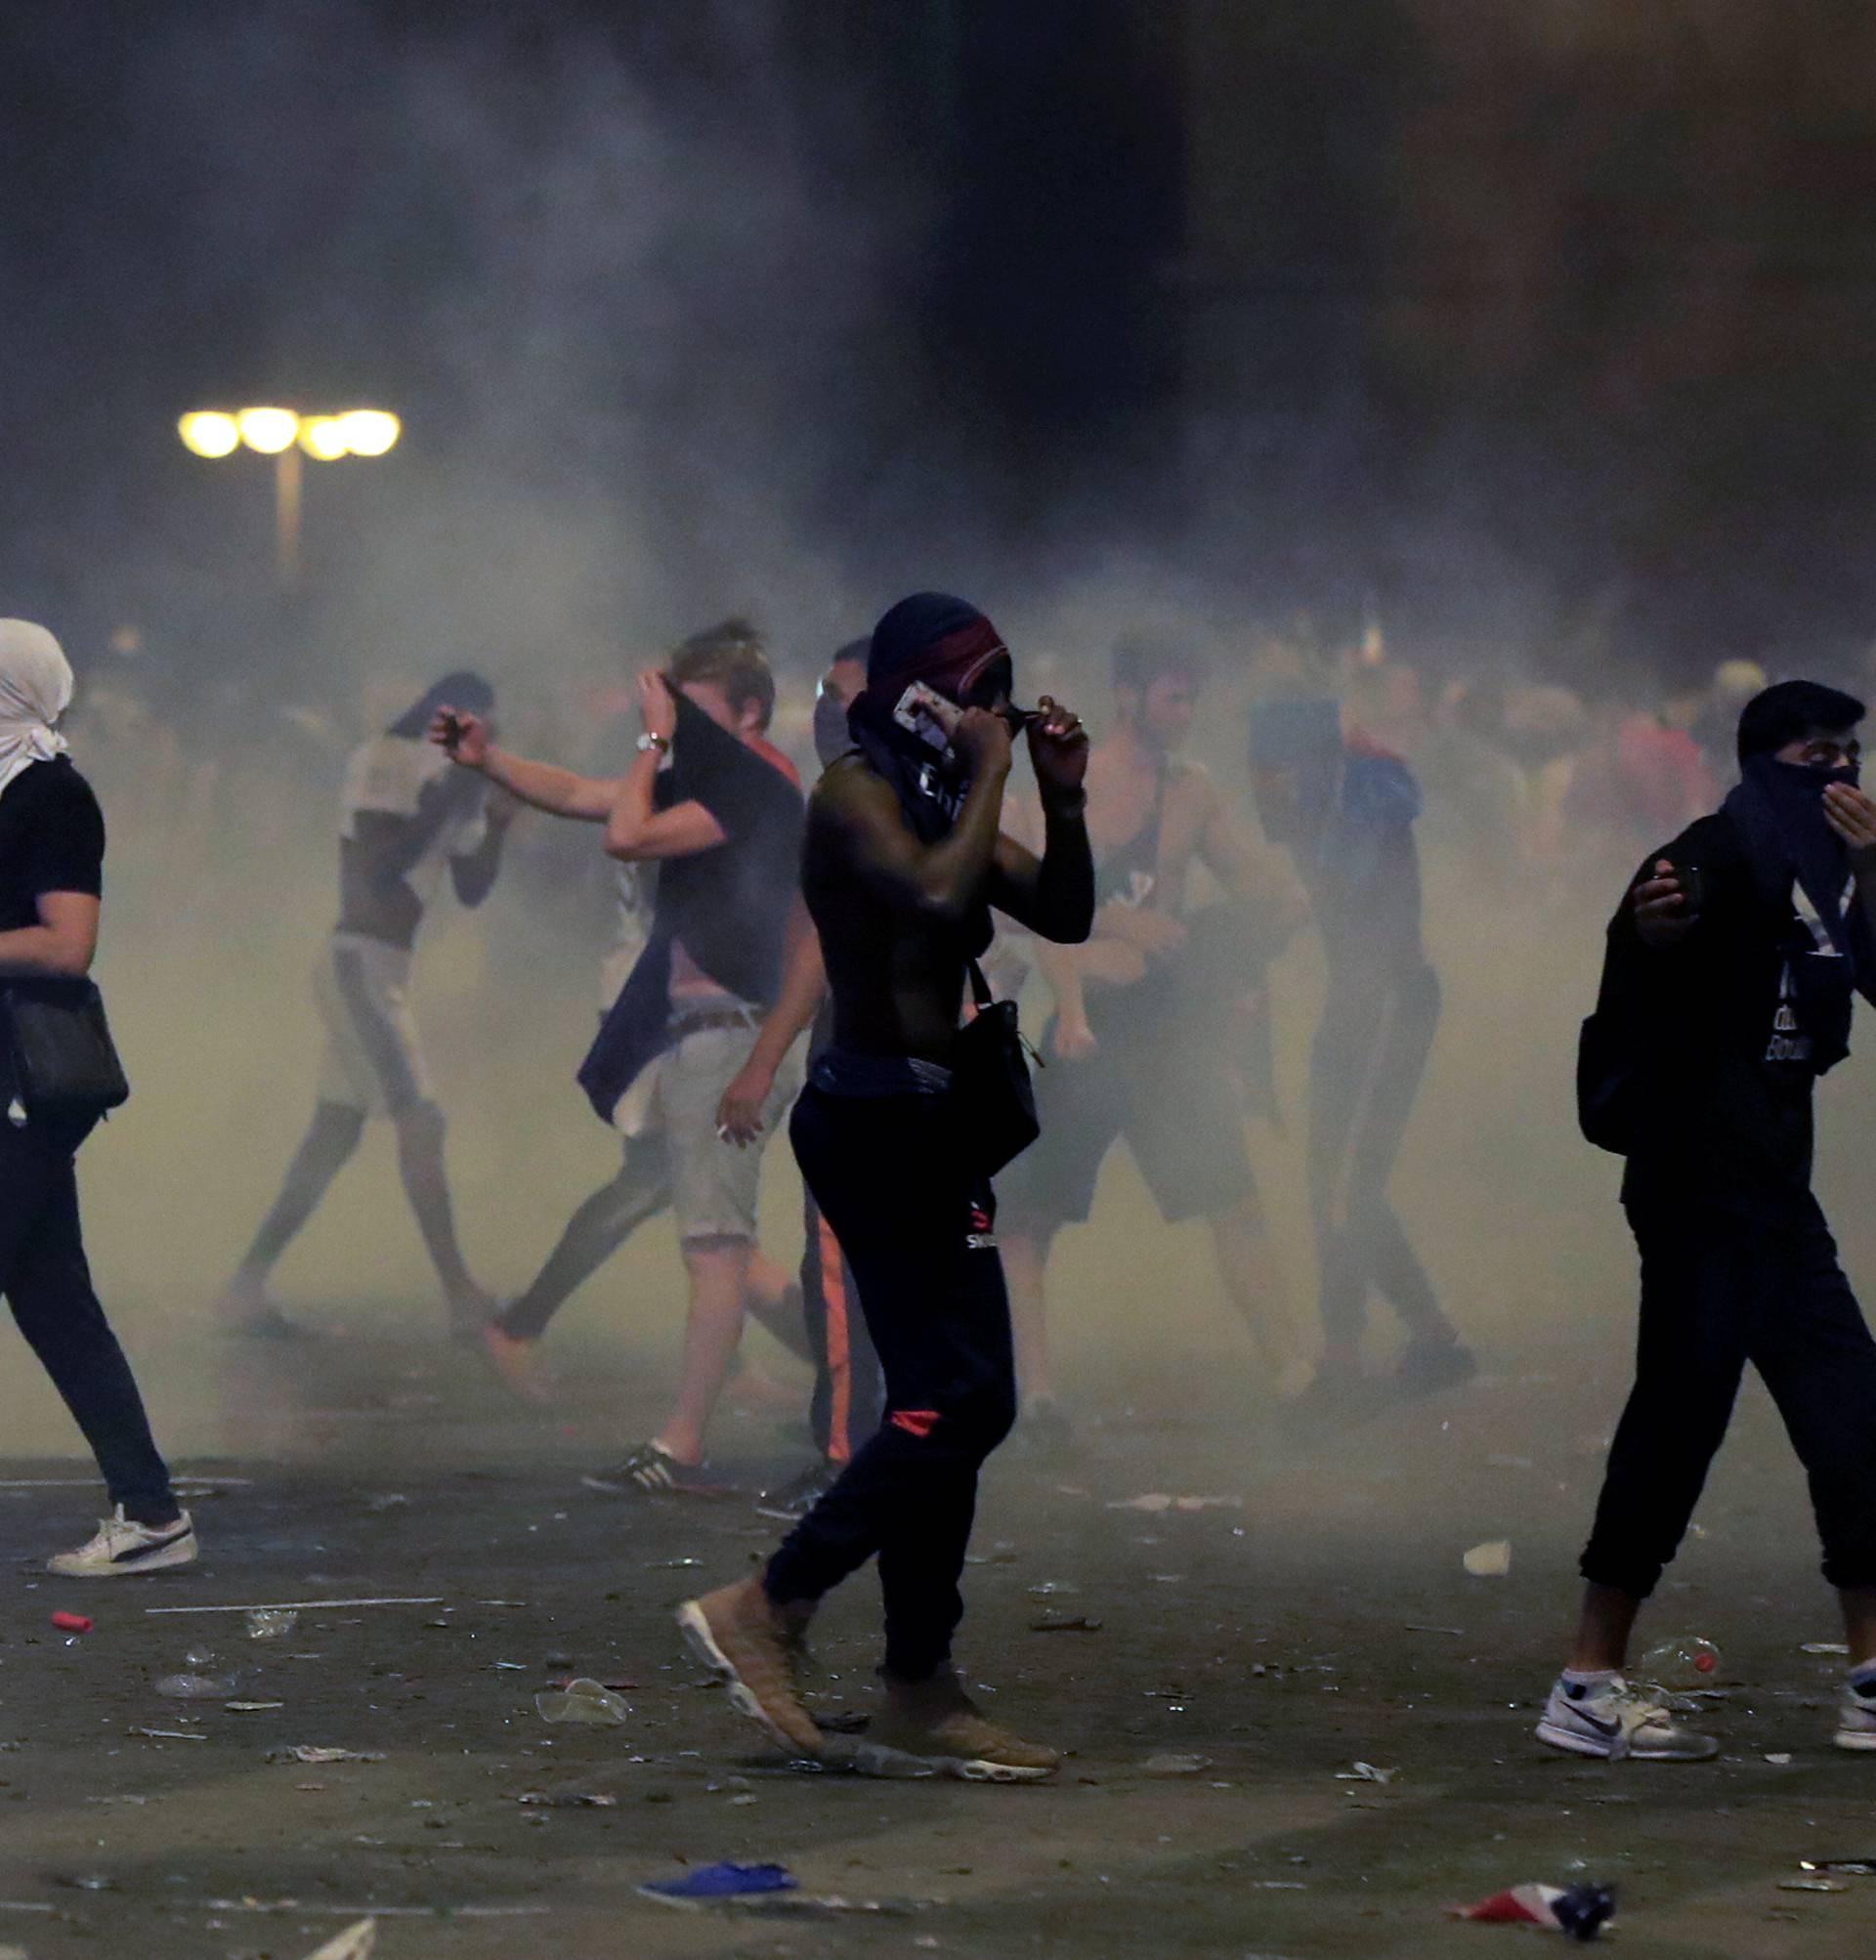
{"x": 1681, "y": 1664}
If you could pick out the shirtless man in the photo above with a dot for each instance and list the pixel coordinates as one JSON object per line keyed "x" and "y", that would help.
{"x": 1140, "y": 1048}
{"x": 904, "y": 859}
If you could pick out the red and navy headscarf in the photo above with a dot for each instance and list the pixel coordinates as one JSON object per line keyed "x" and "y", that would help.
{"x": 951, "y": 646}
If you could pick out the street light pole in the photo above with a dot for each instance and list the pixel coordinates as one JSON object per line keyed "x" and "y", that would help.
{"x": 288, "y": 437}
{"x": 288, "y": 485}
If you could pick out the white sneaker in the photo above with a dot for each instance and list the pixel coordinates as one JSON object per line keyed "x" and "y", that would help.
{"x": 122, "y": 1547}
{"x": 1856, "y": 1722}
{"x": 1614, "y": 1720}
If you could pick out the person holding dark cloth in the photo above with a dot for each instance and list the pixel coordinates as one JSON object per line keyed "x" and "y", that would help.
{"x": 717, "y": 809}
{"x": 51, "y": 856}
{"x": 1726, "y": 991}
{"x": 1347, "y": 809}
{"x": 903, "y": 861}
{"x": 404, "y": 817}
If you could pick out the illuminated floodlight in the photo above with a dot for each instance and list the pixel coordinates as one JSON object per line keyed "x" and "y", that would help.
{"x": 322, "y": 437}
{"x": 206, "y": 433}
{"x": 368, "y": 432}
{"x": 268, "y": 430}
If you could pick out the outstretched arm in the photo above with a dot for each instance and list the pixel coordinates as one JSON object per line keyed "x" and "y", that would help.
{"x": 464, "y": 739}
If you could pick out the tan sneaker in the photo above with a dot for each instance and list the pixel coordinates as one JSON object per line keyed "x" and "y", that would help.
{"x": 737, "y": 1634}
{"x": 934, "y": 1728}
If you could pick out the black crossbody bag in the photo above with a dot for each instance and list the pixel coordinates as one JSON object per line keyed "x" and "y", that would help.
{"x": 995, "y": 1099}
{"x": 64, "y": 1064}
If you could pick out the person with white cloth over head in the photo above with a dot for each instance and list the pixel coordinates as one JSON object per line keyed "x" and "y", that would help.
{"x": 52, "y": 852}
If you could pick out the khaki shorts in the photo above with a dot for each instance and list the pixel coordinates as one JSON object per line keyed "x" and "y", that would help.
{"x": 374, "y": 1060}
{"x": 714, "y": 1185}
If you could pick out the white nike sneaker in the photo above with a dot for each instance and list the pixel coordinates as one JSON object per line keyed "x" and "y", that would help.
{"x": 122, "y": 1547}
{"x": 1856, "y": 1722}
{"x": 1615, "y": 1720}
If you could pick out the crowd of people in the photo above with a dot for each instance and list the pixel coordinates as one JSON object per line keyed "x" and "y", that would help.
{"x": 886, "y": 919}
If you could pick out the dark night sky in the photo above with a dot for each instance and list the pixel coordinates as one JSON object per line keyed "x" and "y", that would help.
{"x": 1573, "y": 299}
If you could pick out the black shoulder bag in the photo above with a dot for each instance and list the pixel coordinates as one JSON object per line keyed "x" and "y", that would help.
{"x": 995, "y": 1099}
{"x": 64, "y": 1064}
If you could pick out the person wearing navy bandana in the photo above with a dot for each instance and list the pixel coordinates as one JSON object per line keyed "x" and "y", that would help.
{"x": 905, "y": 858}
{"x": 1726, "y": 991}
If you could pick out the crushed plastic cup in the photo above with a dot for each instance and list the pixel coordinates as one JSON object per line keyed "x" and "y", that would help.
{"x": 271, "y": 1623}
{"x": 583, "y": 1701}
{"x": 197, "y": 1686}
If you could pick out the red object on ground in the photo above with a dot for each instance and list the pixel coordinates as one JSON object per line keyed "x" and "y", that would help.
{"x": 71, "y": 1623}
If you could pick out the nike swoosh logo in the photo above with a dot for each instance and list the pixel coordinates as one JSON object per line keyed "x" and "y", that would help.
{"x": 153, "y": 1544}
{"x": 1590, "y": 1721}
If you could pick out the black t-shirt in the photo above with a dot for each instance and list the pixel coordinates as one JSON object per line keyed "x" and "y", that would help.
{"x": 1725, "y": 1089}
{"x": 52, "y": 838}
{"x": 728, "y": 908}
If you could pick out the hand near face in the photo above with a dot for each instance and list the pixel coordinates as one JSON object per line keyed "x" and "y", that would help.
{"x": 1057, "y": 749}
{"x": 1852, "y": 816}
{"x": 656, "y": 707}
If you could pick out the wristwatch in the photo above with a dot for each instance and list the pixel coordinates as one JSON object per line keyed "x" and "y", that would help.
{"x": 649, "y": 742}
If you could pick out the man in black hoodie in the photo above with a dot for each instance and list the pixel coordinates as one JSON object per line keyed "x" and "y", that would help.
{"x": 1725, "y": 992}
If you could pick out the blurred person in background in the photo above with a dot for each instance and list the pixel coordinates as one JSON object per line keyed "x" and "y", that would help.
{"x": 849, "y": 1389}
{"x": 1728, "y": 981}
{"x": 717, "y": 810}
{"x": 52, "y": 856}
{"x": 1136, "y": 1048}
{"x": 905, "y": 858}
{"x": 404, "y": 816}
{"x": 1716, "y": 719}
{"x": 1346, "y": 811}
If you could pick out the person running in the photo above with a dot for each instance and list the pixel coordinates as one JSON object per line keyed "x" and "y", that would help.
{"x": 1347, "y": 809}
{"x": 903, "y": 861}
{"x": 51, "y": 856}
{"x": 849, "y": 1389}
{"x": 1135, "y": 1048}
{"x": 717, "y": 809}
{"x": 1727, "y": 990}
{"x": 406, "y": 816}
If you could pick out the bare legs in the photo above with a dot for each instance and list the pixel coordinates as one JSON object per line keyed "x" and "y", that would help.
{"x": 327, "y": 1147}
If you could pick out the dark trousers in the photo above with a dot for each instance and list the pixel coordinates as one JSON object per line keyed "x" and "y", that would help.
{"x": 849, "y": 1389}
{"x": 1721, "y": 1286}
{"x": 1364, "y": 1074}
{"x": 47, "y": 1284}
{"x": 892, "y": 1176}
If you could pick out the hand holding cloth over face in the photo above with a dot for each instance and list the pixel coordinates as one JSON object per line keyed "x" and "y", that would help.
{"x": 728, "y": 906}
{"x": 946, "y": 645}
